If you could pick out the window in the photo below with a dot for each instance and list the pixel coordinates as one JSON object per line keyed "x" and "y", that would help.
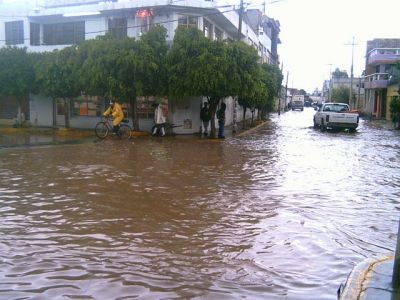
{"x": 207, "y": 29}
{"x": 145, "y": 109}
{"x": 87, "y": 106}
{"x": 218, "y": 34}
{"x": 118, "y": 27}
{"x": 14, "y": 32}
{"x": 64, "y": 33}
{"x": 35, "y": 34}
{"x": 188, "y": 21}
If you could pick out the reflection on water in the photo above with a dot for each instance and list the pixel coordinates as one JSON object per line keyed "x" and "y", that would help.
{"x": 284, "y": 213}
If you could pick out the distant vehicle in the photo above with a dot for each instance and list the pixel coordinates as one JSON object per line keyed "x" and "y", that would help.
{"x": 336, "y": 116}
{"x": 298, "y": 102}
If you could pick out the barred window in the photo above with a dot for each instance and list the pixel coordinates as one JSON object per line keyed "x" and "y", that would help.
{"x": 118, "y": 27}
{"x": 35, "y": 34}
{"x": 14, "y": 32}
{"x": 64, "y": 33}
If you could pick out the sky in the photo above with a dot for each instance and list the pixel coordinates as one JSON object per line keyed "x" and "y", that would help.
{"x": 314, "y": 34}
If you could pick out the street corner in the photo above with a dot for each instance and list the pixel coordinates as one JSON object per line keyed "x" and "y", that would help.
{"x": 370, "y": 279}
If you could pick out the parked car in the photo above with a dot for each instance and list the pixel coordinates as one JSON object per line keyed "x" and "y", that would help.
{"x": 336, "y": 116}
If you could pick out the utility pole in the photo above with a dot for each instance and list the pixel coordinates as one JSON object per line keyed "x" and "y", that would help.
{"x": 240, "y": 20}
{"x": 351, "y": 72}
{"x": 287, "y": 79}
{"x": 330, "y": 83}
{"x": 280, "y": 94}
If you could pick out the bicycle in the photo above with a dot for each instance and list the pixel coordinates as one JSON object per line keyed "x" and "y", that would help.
{"x": 104, "y": 127}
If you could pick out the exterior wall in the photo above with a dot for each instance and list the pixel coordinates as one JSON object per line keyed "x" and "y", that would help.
{"x": 41, "y": 111}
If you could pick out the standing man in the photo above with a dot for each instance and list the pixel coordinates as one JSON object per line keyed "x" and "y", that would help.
{"x": 205, "y": 117}
{"x": 115, "y": 110}
{"x": 221, "y": 120}
{"x": 159, "y": 120}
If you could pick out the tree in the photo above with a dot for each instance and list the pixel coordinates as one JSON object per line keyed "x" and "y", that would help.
{"x": 200, "y": 67}
{"x": 340, "y": 74}
{"x": 272, "y": 79}
{"x": 16, "y": 74}
{"x": 395, "y": 111}
{"x": 247, "y": 72}
{"x": 340, "y": 94}
{"x": 57, "y": 77}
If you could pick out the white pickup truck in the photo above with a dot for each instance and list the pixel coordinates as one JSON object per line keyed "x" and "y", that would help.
{"x": 336, "y": 116}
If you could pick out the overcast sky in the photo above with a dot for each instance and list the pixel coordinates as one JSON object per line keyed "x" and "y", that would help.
{"x": 314, "y": 34}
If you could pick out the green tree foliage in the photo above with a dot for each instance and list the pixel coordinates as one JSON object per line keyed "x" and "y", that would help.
{"x": 395, "y": 111}
{"x": 57, "y": 77}
{"x": 16, "y": 72}
{"x": 200, "y": 67}
{"x": 340, "y": 94}
{"x": 340, "y": 74}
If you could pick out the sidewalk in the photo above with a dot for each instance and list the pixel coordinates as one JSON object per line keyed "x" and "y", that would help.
{"x": 370, "y": 280}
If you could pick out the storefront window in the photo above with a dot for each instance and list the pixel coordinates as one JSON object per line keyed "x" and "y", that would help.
{"x": 87, "y": 106}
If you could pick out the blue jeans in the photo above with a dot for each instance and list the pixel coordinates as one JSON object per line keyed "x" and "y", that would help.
{"x": 221, "y": 130}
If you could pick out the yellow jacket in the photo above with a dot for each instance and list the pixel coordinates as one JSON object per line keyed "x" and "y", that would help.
{"x": 116, "y": 112}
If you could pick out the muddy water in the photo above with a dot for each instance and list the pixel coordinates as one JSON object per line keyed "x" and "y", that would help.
{"x": 284, "y": 213}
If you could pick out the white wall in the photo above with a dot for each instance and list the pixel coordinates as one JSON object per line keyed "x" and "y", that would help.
{"x": 41, "y": 111}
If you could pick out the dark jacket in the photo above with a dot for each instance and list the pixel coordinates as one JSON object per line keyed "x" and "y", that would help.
{"x": 221, "y": 113}
{"x": 205, "y": 114}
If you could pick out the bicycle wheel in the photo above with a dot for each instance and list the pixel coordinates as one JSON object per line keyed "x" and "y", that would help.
{"x": 101, "y": 130}
{"x": 125, "y": 132}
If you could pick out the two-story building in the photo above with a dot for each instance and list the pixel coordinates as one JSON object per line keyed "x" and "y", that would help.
{"x": 380, "y": 68}
{"x": 54, "y": 24}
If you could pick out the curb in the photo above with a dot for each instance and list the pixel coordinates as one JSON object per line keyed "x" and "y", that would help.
{"x": 357, "y": 279}
{"x": 248, "y": 131}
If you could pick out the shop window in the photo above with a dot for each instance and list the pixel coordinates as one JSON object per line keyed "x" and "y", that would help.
{"x": 89, "y": 106}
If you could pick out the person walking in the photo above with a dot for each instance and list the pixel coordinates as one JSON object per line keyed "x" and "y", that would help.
{"x": 221, "y": 120}
{"x": 159, "y": 120}
{"x": 205, "y": 118}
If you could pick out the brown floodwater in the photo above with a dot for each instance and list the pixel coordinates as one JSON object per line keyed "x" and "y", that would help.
{"x": 283, "y": 213}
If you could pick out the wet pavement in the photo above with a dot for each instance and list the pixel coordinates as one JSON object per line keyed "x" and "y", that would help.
{"x": 285, "y": 212}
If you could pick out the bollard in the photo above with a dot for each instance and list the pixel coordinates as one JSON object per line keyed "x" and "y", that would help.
{"x": 396, "y": 265}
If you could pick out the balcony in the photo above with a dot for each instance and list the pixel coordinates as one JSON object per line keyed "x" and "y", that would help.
{"x": 383, "y": 56}
{"x": 376, "y": 81}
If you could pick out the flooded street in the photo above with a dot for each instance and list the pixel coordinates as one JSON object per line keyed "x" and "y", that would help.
{"x": 282, "y": 213}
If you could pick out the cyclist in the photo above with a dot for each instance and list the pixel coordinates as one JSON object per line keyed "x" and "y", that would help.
{"x": 115, "y": 110}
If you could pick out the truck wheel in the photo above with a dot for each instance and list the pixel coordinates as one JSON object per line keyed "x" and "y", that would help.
{"x": 315, "y": 124}
{"x": 323, "y": 127}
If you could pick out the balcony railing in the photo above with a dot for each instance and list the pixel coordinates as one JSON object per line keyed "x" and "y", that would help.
{"x": 383, "y": 56}
{"x": 376, "y": 81}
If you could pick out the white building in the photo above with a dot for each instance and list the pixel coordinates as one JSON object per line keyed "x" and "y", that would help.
{"x": 54, "y": 24}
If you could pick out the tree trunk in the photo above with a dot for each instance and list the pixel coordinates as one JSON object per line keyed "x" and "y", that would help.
{"x": 135, "y": 120}
{"x": 66, "y": 112}
{"x": 244, "y": 117}
{"x": 213, "y": 103}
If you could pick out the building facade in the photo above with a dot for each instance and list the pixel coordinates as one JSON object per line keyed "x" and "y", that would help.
{"x": 380, "y": 72}
{"x": 54, "y": 24}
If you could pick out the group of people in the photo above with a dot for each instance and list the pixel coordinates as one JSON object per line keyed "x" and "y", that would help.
{"x": 115, "y": 110}
{"x": 205, "y": 116}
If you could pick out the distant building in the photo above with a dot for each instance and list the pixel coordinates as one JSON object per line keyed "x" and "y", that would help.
{"x": 380, "y": 72}
{"x": 357, "y": 89}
